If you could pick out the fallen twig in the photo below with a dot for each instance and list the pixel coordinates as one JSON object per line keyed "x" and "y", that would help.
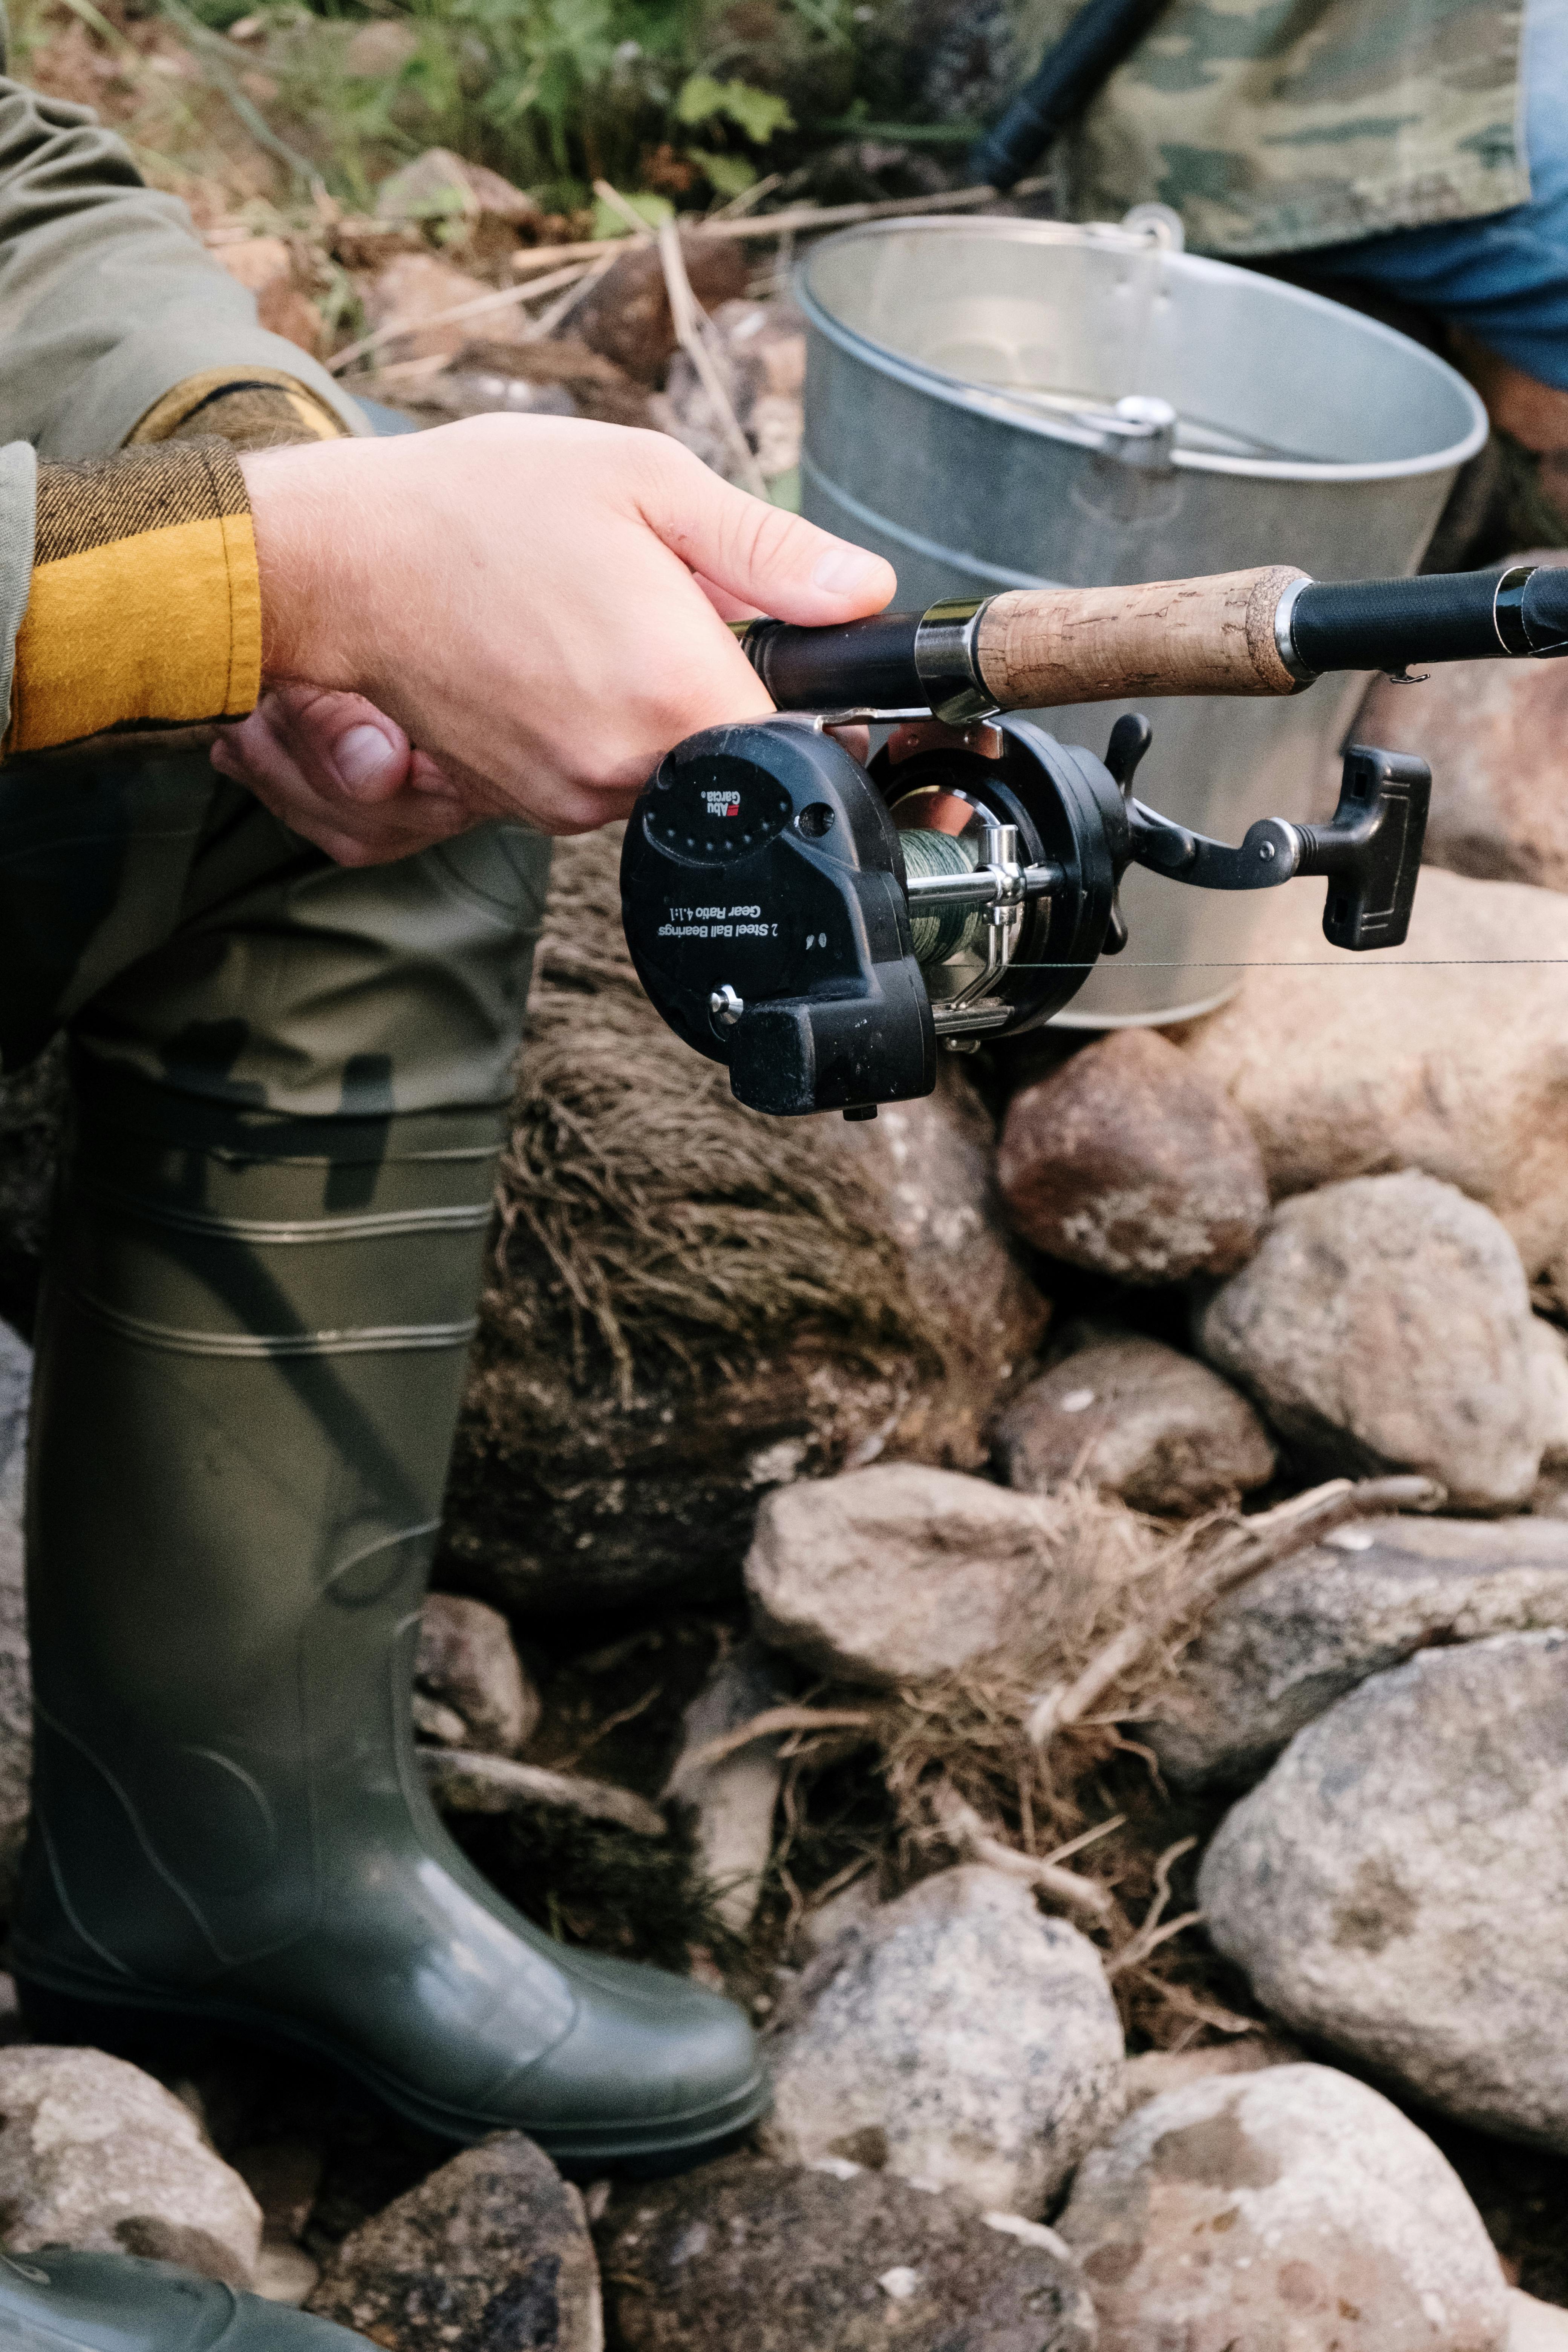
{"x": 690, "y": 320}
{"x": 478, "y": 305}
{"x": 464, "y": 1782}
{"x": 1152, "y": 1935}
{"x": 772, "y": 1720}
{"x": 965, "y": 1832}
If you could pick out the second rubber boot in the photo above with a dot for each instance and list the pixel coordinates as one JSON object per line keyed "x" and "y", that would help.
{"x": 252, "y": 1346}
{"x": 58, "y": 2302}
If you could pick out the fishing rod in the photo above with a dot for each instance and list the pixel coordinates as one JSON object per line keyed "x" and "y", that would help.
{"x": 823, "y": 926}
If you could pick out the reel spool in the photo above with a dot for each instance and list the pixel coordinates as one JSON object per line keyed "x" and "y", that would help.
{"x": 820, "y": 926}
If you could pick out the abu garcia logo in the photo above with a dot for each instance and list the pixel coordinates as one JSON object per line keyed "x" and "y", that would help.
{"x": 722, "y": 804}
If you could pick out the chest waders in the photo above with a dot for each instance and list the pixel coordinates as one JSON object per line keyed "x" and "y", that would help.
{"x": 250, "y": 1355}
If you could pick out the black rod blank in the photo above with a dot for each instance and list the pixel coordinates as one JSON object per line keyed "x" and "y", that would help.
{"x": 1068, "y": 80}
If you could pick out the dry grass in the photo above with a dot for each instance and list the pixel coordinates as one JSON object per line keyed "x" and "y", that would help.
{"x": 676, "y": 1224}
{"x": 1028, "y": 1758}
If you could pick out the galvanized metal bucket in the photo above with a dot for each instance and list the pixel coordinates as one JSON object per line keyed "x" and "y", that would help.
{"x": 1012, "y": 403}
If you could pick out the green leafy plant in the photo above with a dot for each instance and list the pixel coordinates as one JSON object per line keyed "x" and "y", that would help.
{"x": 757, "y": 113}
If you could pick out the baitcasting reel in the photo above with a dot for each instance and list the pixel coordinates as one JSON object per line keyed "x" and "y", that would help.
{"x": 819, "y": 926}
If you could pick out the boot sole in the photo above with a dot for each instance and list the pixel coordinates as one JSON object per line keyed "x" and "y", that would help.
{"x": 161, "y": 2026}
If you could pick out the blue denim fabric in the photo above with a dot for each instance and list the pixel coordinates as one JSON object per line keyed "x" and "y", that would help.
{"x": 1504, "y": 277}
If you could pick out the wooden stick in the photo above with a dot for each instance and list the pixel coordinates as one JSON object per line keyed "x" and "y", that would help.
{"x": 690, "y": 320}
{"x": 770, "y": 1720}
{"x": 964, "y": 1831}
{"x": 476, "y": 306}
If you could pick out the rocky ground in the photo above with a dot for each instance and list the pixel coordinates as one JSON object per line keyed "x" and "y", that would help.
{"x": 1059, "y": 1598}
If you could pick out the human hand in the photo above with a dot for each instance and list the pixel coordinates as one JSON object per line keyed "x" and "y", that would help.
{"x": 336, "y": 770}
{"x": 536, "y": 600}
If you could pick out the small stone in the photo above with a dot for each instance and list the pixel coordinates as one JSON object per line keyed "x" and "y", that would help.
{"x": 1155, "y": 2072}
{"x": 461, "y": 1781}
{"x": 1385, "y": 1325}
{"x": 786, "y": 2258}
{"x": 416, "y": 288}
{"x": 1273, "y": 1656}
{"x": 492, "y": 2253}
{"x": 97, "y": 2156}
{"x": 377, "y": 51}
{"x": 735, "y": 1798}
{"x": 256, "y": 261}
{"x": 467, "y": 1662}
{"x": 1293, "y": 2208}
{"x": 627, "y": 315}
{"x": 284, "y": 2273}
{"x": 439, "y": 186}
{"x": 1397, "y": 1887}
{"x": 1129, "y": 1161}
{"x": 892, "y": 1574}
{"x": 957, "y": 2037}
{"x": 1461, "y": 1071}
{"x": 1137, "y": 1419}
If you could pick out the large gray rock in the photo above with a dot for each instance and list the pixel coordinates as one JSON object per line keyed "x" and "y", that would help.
{"x": 492, "y": 2253}
{"x": 1129, "y": 1161}
{"x": 1397, "y": 1887}
{"x": 888, "y": 1574}
{"x": 776, "y": 2258}
{"x": 1385, "y": 1325}
{"x": 956, "y": 2036}
{"x": 1277, "y": 1654}
{"x": 1292, "y": 2209}
{"x": 734, "y": 1797}
{"x": 97, "y": 2156}
{"x": 693, "y": 1304}
{"x": 466, "y": 1661}
{"x": 1454, "y": 1058}
{"x": 1136, "y": 1419}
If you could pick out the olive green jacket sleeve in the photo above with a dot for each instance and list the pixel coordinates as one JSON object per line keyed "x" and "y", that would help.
{"x": 108, "y": 300}
{"x": 1276, "y": 125}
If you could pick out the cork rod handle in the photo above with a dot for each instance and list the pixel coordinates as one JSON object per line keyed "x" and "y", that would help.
{"x": 1053, "y": 645}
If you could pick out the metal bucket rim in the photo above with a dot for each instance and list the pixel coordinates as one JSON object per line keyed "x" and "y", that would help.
{"x": 992, "y": 401}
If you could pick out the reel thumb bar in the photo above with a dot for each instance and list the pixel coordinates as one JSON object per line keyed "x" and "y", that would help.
{"x": 1269, "y": 631}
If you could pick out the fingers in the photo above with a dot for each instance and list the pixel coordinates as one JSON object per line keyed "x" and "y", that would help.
{"x": 762, "y": 558}
{"x": 337, "y": 771}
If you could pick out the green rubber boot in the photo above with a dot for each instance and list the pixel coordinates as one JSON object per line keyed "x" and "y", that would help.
{"x": 251, "y": 1352}
{"x": 114, "y": 2302}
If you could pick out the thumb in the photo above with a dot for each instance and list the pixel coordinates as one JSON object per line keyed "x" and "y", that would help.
{"x": 776, "y": 562}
